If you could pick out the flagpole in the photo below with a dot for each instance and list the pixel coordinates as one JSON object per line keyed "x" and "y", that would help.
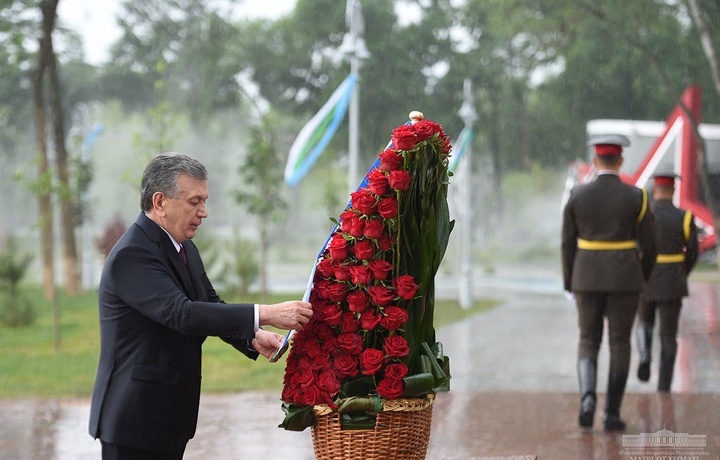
{"x": 465, "y": 289}
{"x": 354, "y": 127}
{"x": 353, "y": 45}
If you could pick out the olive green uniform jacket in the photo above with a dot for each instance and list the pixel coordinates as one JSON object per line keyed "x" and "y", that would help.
{"x": 607, "y": 210}
{"x": 677, "y": 240}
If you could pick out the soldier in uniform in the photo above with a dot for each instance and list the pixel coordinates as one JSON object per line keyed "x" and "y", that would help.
{"x": 677, "y": 253}
{"x": 608, "y": 253}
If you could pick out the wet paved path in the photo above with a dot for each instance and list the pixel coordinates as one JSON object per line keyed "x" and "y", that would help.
{"x": 513, "y": 393}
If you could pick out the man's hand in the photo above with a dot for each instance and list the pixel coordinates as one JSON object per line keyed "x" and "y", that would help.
{"x": 266, "y": 343}
{"x": 293, "y": 314}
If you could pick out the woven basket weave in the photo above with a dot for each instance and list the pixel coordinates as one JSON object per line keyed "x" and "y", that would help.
{"x": 402, "y": 432}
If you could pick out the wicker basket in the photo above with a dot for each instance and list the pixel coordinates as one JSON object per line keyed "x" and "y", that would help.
{"x": 402, "y": 432}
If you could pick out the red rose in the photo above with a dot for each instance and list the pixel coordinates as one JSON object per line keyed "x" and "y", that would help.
{"x": 386, "y": 242}
{"x": 345, "y": 365}
{"x": 377, "y": 182}
{"x": 311, "y": 396}
{"x": 404, "y": 137}
{"x": 348, "y": 322}
{"x": 313, "y": 349}
{"x": 331, "y": 314}
{"x": 405, "y": 286}
{"x": 321, "y": 361}
{"x": 396, "y": 371}
{"x": 357, "y": 301}
{"x": 322, "y": 330}
{"x": 330, "y": 347}
{"x": 351, "y": 223}
{"x": 317, "y": 306}
{"x": 351, "y": 343}
{"x": 380, "y": 295}
{"x": 371, "y": 361}
{"x": 379, "y": 269}
{"x": 337, "y": 291}
{"x": 314, "y": 294}
{"x": 390, "y": 160}
{"x": 288, "y": 394}
{"x": 341, "y": 271}
{"x": 338, "y": 247}
{"x": 396, "y": 346}
{"x": 364, "y": 201}
{"x": 324, "y": 268}
{"x": 306, "y": 378}
{"x": 373, "y": 228}
{"x": 328, "y": 382}
{"x": 321, "y": 288}
{"x": 425, "y": 129}
{"x": 446, "y": 147}
{"x": 388, "y": 207}
{"x": 390, "y": 388}
{"x": 399, "y": 180}
{"x": 363, "y": 249}
{"x": 369, "y": 320}
{"x": 393, "y": 318}
{"x": 360, "y": 274}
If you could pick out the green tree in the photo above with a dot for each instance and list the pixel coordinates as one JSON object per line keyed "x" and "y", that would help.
{"x": 194, "y": 42}
{"x": 261, "y": 174}
{"x": 297, "y": 63}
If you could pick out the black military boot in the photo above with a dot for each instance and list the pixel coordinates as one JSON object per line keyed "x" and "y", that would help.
{"x": 587, "y": 369}
{"x": 667, "y": 365}
{"x": 644, "y": 341}
{"x": 615, "y": 391}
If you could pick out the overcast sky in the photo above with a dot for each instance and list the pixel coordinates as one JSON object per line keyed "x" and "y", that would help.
{"x": 95, "y": 20}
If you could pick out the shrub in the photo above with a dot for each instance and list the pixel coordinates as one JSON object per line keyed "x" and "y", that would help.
{"x": 15, "y": 309}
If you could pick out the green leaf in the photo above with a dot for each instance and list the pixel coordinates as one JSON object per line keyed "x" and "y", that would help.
{"x": 358, "y": 387}
{"x": 297, "y": 418}
{"x": 364, "y": 421}
{"x": 359, "y": 404}
{"x": 419, "y": 384}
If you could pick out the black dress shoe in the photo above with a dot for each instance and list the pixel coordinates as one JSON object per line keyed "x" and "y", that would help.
{"x": 643, "y": 372}
{"x": 614, "y": 423}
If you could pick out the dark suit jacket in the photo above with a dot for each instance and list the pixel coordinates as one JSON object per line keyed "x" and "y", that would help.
{"x": 154, "y": 317}
{"x": 607, "y": 209}
{"x": 669, "y": 280}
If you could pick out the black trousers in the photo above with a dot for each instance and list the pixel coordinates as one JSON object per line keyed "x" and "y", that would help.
{"x": 669, "y": 311}
{"x": 619, "y": 308}
{"x": 112, "y": 451}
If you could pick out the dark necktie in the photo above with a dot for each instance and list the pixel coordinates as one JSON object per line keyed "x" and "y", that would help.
{"x": 182, "y": 255}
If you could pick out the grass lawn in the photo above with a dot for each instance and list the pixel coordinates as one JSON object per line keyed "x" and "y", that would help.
{"x": 30, "y": 367}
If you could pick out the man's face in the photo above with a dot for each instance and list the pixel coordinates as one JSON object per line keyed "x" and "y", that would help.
{"x": 183, "y": 214}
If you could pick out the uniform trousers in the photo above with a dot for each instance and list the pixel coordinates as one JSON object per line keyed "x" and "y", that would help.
{"x": 112, "y": 451}
{"x": 669, "y": 311}
{"x": 619, "y": 308}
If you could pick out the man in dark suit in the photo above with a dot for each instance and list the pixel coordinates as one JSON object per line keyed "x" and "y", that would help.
{"x": 677, "y": 253}
{"x": 157, "y": 306}
{"x": 608, "y": 252}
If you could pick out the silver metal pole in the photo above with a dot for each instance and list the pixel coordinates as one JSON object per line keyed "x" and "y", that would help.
{"x": 353, "y": 45}
{"x": 354, "y": 128}
{"x": 465, "y": 288}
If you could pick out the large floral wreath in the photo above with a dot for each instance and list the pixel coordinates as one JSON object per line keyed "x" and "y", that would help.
{"x": 372, "y": 335}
